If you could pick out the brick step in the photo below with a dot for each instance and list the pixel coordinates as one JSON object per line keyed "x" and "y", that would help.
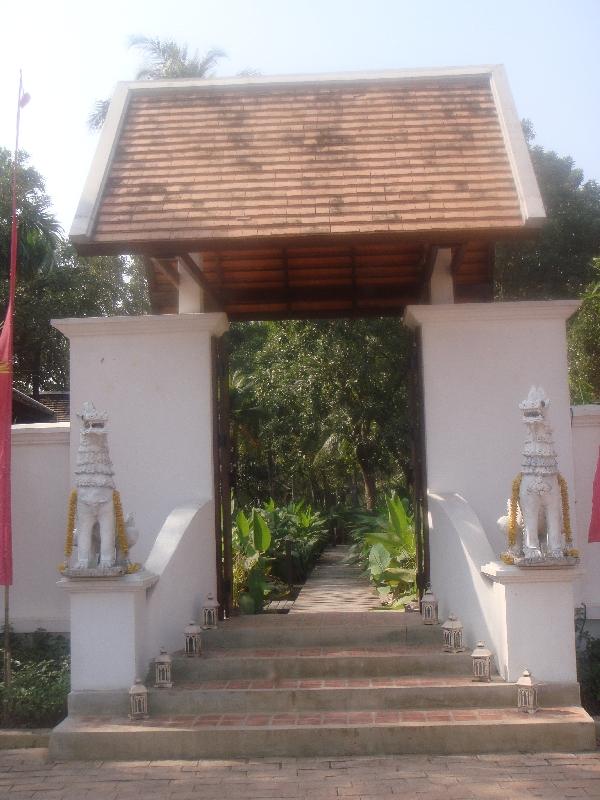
{"x": 320, "y": 662}
{"x": 292, "y": 696}
{"x": 321, "y": 630}
{"x": 324, "y": 734}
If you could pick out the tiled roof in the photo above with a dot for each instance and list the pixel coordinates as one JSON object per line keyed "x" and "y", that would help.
{"x": 323, "y": 195}
{"x": 296, "y": 159}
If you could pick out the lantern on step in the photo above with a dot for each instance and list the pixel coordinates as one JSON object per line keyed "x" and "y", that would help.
{"x": 527, "y": 700}
{"x": 163, "y": 670}
{"x": 482, "y": 663}
{"x": 192, "y": 639}
{"x": 429, "y": 608}
{"x": 453, "y": 635}
{"x": 210, "y": 613}
{"x": 138, "y": 701}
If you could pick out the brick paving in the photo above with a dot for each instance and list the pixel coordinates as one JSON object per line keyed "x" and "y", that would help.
{"x": 335, "y": 586}
{"x": 28, "y": 774}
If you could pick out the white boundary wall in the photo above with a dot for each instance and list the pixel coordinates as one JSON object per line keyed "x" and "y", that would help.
{"x": 40, "y": 491}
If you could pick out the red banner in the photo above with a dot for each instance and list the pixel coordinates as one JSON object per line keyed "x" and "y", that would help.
{"x": 594, "y": 532}
{"x": 6, "y": 570}
{"x": 6, "y": 360}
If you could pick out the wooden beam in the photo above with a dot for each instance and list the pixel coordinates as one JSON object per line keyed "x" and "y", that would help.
{"x": 458, "y": 254}
{"x": 168, "y": 270}
{"x": 201, "y": 280}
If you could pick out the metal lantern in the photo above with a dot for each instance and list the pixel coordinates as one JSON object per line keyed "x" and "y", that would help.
{"x": 138, "y": 701}
{"x": 453, "y": 635}
{"x": 429, "y": 608}
{"x": 527, "y": 693}
{"x": 482, "y": 663}
{"x": 192, "y": 639}
{"x": 162, "y": 670}
{"x": 210, "y": 613}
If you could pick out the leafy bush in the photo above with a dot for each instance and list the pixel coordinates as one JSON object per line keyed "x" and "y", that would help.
{"x": 305, "y": 530}
{"x": 37, "y": 694}
{"x": 384, "y": 545}
{"x": 267, "y": 542}
{"x": 251, "y": 538}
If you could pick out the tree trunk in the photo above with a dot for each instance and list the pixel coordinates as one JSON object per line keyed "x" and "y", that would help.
{"x": 368, "y": 479}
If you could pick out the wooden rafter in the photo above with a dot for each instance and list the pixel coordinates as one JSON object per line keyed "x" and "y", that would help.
{"x": 458, "y": 254}
{"x": 168, "y": 270}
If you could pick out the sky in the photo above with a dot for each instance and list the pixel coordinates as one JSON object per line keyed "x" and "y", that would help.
{"x": 73, "y": 52}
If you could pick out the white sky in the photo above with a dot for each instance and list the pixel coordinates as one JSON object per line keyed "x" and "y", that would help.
{"x": 72, "y": 52}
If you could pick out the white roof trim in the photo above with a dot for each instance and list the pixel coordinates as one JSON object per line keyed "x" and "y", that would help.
{"x": 532, "y": 206}
{"x": 83, "y": 224}
{"x": 318, "y": 77}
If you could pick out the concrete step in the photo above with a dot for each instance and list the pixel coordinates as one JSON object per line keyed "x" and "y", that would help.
{"x": 324, "y": 734}
{"x": 321, "y": 630}
{"x": 293, "y": 696}
{"x": 320, "y": 662}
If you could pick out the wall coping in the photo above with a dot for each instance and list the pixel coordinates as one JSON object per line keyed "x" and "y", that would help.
{"x": 505, "y": 573}
{"x": 584, "y": 416}
{"x": 460, "y": 313}
{"x": 40, "y": 433}
{"x": 127, "y": 583}
{"x": 151, "y": 324}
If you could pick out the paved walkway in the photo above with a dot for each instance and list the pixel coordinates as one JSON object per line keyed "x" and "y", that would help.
{"x": 334, "y": 585}
{"x": 28, "y": 774}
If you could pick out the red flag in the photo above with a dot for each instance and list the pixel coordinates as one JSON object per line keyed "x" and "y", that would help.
{"x": 6, "y": 360}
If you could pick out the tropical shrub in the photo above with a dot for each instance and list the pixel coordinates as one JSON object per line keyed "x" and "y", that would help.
{"x": 299, "y": 533}
{"x": 251, "y": 539}
{"x": 384, "y": 544}
{"x": 37, "y": 693}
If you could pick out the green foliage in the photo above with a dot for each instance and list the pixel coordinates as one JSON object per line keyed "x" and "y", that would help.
{"x": 584, "y": 345}
{"x": 558, "y": 262}
{"x": 588, "y": 674}
{"x": 262, "y": 540}
{"x": 251, "y": 539}
{"x": 298, "y": 530}
{"x": 384, "y": 544}
{"x": 37, "y": 694}
{"x": 52, "y": 282}
{"x": 333, "y": 419}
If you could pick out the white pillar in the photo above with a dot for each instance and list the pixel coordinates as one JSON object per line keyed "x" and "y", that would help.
{"x": 441, "y": 283}
{"x": 190, "y": 293}
{"x": 479, "y": 361}
{"x": 152, "y": 374}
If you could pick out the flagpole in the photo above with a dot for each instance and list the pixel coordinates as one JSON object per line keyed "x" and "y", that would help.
{"x": 21, "y": 100}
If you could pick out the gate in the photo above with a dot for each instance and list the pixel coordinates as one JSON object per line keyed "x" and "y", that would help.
{"x": 222, "y": 481}
{"x": 416, "y": 408}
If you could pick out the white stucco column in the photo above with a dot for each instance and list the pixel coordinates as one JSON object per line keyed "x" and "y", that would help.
{"x": 479, "y": 361}
{"x": 152, "y": 374}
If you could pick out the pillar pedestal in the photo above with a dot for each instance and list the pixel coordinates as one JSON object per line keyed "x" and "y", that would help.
{"x": 534, "y": 615}
{"x": 108, "y": 619}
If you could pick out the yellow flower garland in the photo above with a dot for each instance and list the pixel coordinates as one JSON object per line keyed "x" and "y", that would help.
{"x": 564, "y": 496}
{"x": 120, "y": 524}
{"x": 72, "y": 510}
{"x": 512, "y": 510}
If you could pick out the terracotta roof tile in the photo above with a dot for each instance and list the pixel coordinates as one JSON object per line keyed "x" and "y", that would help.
{"x": 240, "y": 162}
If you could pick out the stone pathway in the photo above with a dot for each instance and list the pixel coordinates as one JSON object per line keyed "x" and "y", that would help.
{"x": 28, "y": 774}
{"x": 334, "y": 585}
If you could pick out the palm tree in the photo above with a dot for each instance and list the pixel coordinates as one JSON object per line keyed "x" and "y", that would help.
{"x": 163, "y": 60}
